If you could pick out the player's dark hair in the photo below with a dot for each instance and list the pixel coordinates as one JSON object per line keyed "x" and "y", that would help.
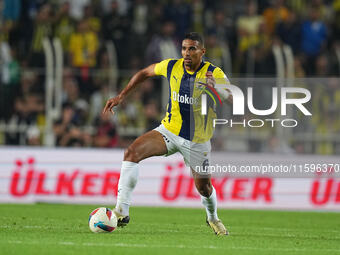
{"x": 195, "y": 37}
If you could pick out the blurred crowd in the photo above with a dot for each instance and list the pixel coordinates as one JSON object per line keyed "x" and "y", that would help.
{"x": 239, "y": 36}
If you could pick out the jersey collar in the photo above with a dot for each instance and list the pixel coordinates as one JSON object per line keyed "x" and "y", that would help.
{"x": 199, "y": 68}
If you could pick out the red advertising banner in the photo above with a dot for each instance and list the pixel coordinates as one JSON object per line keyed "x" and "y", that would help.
{"x": 91, "y": 176}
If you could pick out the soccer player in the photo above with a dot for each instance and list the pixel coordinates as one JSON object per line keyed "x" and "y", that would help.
{"x": 184, "y": 129}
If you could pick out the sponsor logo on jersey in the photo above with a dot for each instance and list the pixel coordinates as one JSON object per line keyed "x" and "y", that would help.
{"x": 184, "y": 99}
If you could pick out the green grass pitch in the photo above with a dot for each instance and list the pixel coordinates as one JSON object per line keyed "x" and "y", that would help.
{"x": 63, "y": 229}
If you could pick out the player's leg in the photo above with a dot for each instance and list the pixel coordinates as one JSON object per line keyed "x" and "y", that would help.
{"x": 209, "y": 201}
{"x": 207, "y": 192}
{"x": 145, "y": 146}
{"x": 148, "y": 145}
{"x": 198, "y": 156}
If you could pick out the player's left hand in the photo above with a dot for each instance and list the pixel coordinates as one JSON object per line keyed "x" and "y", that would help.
{"x": 210, "y": 79}
{"x": 112, "y": 103}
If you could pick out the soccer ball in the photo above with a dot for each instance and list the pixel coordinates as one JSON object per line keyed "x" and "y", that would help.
{"x": 102, "y": 220}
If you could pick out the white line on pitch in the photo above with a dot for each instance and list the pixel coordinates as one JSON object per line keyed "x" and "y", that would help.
{"x": 129, "y": 245}
{"x": 258, "y": 229}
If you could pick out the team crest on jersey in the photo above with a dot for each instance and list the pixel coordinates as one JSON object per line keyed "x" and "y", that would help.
{"x": 204, "y": 87}
{"x": 200, "y": 86}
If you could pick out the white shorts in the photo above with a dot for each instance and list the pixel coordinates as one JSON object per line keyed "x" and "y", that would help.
{"x": 196, "y": 155}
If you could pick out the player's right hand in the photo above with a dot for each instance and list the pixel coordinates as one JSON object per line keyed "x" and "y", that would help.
{"x": 112, "y": 102}
{"x": 210, "y": 79}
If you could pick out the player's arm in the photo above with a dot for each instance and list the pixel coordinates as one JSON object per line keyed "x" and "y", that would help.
{"x": 224, "y": 93}
{"x": 137, "y": 79}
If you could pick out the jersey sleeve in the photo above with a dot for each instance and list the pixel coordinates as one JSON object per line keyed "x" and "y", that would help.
{"x": 162, "y": 67}
{"x": 222, "y": 83}
{"x": 220, "y": 76}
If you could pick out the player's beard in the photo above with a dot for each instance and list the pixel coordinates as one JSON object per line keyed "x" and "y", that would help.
{"x": 188, "y": 64}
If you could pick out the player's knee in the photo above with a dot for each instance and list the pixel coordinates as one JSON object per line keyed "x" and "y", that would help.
{"x": 131, "y": 155}
{"x": 205, "y": 190}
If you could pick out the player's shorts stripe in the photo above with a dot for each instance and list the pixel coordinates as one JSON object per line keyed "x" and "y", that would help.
{"x": 168, "y": 75}
{"x": 188, "y": 122}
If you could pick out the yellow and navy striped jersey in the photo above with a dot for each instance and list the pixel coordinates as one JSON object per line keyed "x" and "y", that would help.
{"x": 183, "y": 116}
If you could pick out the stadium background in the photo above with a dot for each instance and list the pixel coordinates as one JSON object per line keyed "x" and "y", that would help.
{"x": 61, "y": 60}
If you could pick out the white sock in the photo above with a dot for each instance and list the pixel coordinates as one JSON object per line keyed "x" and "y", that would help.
{"x": 127, "y": 183}
{"x": 210, "y": 204}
